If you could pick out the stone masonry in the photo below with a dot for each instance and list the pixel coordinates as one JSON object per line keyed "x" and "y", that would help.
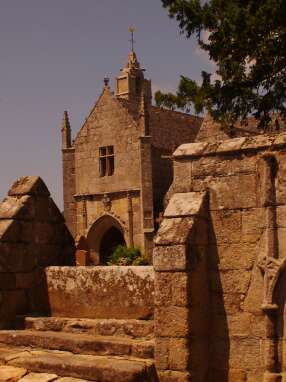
{"x": 223, "y": 236}
{"x": 32, "y": 236}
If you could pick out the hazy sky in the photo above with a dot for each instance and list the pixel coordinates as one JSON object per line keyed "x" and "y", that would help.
{"x": 54, "y": 55}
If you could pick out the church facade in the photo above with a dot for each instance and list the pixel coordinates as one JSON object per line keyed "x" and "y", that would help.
{"x": 118, "y": 169}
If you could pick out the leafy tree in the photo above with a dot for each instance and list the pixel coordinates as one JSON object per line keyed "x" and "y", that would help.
{"x": 247, "y": 42}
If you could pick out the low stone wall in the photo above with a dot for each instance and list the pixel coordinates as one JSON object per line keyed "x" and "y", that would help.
{"x": 101, "y": 291}
{"x": 32, "y": 235}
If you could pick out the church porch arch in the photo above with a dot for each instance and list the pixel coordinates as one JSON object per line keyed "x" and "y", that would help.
{"x": 103, "y": 236}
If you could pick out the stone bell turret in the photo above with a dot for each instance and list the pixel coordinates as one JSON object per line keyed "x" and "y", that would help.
{"x": 131, "y": 84}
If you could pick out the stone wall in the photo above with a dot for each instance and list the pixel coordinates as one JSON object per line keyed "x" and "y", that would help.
{"x": 32, "y": 236}
{"x": 101, "y": 292}
{"x": 245, "y": 182}
{"x": 181, "y": 290}
{"x": 170, "y": 128}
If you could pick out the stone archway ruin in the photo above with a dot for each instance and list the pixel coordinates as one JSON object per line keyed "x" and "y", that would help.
{"x": 103, "y": 236}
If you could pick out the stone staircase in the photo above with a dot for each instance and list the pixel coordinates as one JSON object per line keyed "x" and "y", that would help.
{"x": 103, "y": 350}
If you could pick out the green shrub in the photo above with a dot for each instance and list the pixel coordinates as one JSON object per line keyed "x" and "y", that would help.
{"x": 127, "y": 256}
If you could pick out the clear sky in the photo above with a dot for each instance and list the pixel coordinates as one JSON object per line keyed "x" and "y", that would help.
{"x": 54, "y": 55}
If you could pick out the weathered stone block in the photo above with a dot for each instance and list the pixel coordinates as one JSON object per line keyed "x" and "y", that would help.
{"x": 245, "y": 353}
{"x": 257, "y": 325}
{"x": 163, "y": 288}
{"x": 232, "y": 281}
{"x": 162, "y": 349}
{"x": 255, "y": 375}
{"x": 253, "y": 223}
{"x": 226, "y": 303}
{"x": 225, "y": 227}
{"x": 171, "y": 322}
{"x": 230, "y": 145}
{"x": 170, "y": 258}
{"x": 175, "y": 376}
{"x": 281, "y": 216}
{"x": 229, "y": 375}
{"x": 258, "y": 142}
{"x": 233, "y": 256}
{"x": 100, "y": 292}
{"x": 243, "y": 163}
{"x": 17, "y": 208}
{"x": 210, "y": 166}
{"x": 174, "y": 231}
{"x": 11, "y": 373}
{"x": 29, "y": 185}
{"x": 41, "y": 377}
{"x": 179, "y": 354}
{"x": 186, "y": 204}
{"x": 180, "y": 288}
{"x": 190, "y": 149}
{"x": 226, "y": 192}
{"x": 236, "y": 325}
{"x": 281, "y": 233}
{"x": 254, "y": 297}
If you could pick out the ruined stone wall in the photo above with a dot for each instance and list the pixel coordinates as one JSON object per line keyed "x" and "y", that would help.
{"x": 211, "y": 131}
{"x": 101, "y": 292}
{"x": 245, "y": 180}
{"x": 32, "y": 236}
{"x": 181, "y": 290}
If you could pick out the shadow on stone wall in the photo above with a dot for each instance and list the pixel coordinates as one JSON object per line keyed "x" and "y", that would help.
{"x": 219, "y": 341}
{"x": 33, "y": 235}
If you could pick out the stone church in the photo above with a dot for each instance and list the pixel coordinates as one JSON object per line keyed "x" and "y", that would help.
{"x": 118, "y": 169}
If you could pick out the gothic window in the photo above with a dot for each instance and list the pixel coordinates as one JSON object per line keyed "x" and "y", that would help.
{"x": 106, "y": 161}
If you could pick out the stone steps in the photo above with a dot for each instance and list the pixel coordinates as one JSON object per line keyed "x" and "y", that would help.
{"x": 86, "y": 367}
{"x": 79, "y": 343}
{"x": 102, "y": 327}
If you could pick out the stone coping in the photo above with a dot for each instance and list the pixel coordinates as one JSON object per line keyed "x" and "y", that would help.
{"x": 133, "y": 191}
{"x": 258, "y": 142}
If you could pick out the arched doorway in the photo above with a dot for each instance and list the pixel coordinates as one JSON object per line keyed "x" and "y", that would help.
{"x": 109, "y": 241}
{"x": 104, "y": 235}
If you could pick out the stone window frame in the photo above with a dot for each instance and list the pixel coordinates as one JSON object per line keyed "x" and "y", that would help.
{"x": 106, "y": 161}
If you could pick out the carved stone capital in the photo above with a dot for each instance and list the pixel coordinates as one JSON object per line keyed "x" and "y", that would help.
{"x": 271, "y": 268}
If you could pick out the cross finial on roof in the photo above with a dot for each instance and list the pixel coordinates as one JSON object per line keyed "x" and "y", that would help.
{"x": 132, "y": 30}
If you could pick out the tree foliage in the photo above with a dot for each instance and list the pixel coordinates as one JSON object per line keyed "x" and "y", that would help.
{"x": 247, "y": 42}
{"x": 127, "y": 256}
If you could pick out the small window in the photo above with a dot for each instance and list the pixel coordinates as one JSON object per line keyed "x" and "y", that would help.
{"x": 106, "y": 161}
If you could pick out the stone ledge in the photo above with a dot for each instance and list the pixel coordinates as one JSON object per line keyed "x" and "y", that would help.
{"x": 185, "y": 204}
{"x": 258, "y": 142}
